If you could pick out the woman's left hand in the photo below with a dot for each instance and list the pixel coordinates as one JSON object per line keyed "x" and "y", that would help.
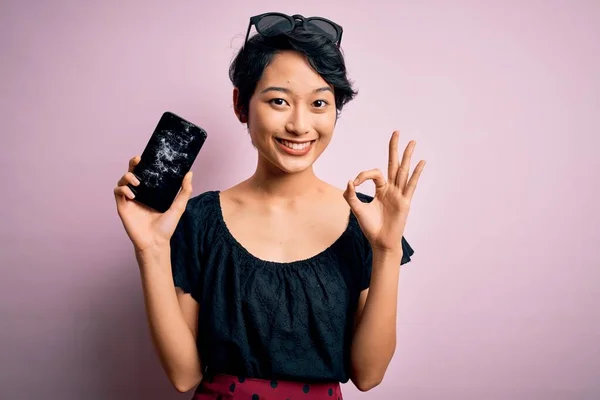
{"x": 383, "y": 220}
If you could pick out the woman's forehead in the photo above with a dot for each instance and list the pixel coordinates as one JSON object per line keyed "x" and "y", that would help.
{"x": 291, "y": 70}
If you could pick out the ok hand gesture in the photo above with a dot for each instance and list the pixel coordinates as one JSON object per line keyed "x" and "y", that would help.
{"x": 383, "y": 220}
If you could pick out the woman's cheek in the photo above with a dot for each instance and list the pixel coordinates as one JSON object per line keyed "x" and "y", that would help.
{"x": 268, "y": 117}
{"x": 326, "y": 124}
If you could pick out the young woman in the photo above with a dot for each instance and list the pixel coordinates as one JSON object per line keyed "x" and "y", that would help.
{"x": 282, "y": 286}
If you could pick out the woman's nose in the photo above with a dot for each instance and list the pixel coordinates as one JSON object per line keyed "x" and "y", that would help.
{"x": 298, "y": 124}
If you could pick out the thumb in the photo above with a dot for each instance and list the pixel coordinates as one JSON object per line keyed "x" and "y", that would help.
{"x": 184, "y": 194}
{"x": 351, "y": 198}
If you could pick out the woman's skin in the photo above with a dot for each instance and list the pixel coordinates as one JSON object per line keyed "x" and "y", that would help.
{"x": 282, "y": 213}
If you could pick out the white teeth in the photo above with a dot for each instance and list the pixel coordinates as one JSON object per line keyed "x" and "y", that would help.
{"x": 296, "y": 146}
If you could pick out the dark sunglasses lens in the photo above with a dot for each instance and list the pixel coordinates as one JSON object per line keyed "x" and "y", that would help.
{"x": 323, "y": 27}
{"x": 273, "y": 24}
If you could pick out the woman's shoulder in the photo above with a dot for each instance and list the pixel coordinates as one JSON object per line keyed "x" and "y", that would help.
{"x": 203, "y": 203}
{"x": 200, "y": 213}
{"x": 200, "y": 221}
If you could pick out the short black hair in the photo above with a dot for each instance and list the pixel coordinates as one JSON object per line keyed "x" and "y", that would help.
{"x": 323, "y": 55}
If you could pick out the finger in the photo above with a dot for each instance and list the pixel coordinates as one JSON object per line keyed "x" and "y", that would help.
{"x": 404, "y": 168}
{"x": 121, "y": 200}
{"x": 184, "y": 195}
{"x": 133, "y": 162}
{"x": 393, "y": 157}
{"x": 351, "y": 198}
{"x": 128, "y": 178}
{"x": 124, "y": 191}
{"x": 375, "y": 175}
{"x": 414, "y": 179}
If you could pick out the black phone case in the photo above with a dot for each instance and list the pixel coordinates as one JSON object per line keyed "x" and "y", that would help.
{"x": 168, "y": 156}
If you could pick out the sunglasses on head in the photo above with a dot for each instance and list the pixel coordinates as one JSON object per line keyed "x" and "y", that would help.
{"x": 270, "y": 24}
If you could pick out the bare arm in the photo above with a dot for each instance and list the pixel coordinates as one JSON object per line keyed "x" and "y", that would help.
{"x": 172, "y": 317}
{"x": 374, "y": 341}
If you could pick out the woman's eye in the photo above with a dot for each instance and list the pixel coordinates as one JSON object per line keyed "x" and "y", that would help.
{"x": 278, "y": 102}
{"x": 320, "y": 103}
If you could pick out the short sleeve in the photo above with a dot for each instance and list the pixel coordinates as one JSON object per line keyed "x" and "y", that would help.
{"x": 367, "y": 253}
{"x": 185, "y": 252}
{"x": 407, "y": 252}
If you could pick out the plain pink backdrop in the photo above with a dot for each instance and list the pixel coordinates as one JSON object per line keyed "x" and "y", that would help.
{"x": 502, "y": 298}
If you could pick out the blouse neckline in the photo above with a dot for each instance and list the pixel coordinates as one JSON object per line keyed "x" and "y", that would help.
{"x": 278, "y": 264}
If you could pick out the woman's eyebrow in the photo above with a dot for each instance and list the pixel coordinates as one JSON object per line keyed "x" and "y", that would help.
{"x": 288, "y": 91}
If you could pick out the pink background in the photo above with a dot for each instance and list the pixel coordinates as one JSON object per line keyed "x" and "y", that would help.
{"x": 501, "y": 300}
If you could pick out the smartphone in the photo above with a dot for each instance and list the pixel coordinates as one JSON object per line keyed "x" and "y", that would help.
{"x": 168, "y": 156}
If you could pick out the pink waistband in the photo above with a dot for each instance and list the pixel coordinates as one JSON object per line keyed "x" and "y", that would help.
{"x": 228, "y": 387}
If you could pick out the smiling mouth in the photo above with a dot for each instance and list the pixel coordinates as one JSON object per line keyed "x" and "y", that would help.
{"x": 295, "y": 145}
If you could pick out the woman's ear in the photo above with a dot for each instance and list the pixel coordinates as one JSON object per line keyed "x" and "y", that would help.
{"x": 236, "y": 107}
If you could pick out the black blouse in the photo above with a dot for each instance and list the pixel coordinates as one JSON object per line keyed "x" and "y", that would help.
{"x": 265, "y": 319}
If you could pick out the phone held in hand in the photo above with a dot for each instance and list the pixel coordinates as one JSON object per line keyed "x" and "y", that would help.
{"x": 168, "y": 156}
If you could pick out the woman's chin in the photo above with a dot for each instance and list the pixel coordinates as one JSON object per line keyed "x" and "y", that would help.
{"x": 290, "y": 166}
{"x": 294, "y": 166}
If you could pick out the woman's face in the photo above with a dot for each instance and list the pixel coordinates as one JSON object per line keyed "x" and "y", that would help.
{"x": 291, "y": 113}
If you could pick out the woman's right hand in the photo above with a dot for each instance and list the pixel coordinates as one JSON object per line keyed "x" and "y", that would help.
{"x": 146, "y": 227}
